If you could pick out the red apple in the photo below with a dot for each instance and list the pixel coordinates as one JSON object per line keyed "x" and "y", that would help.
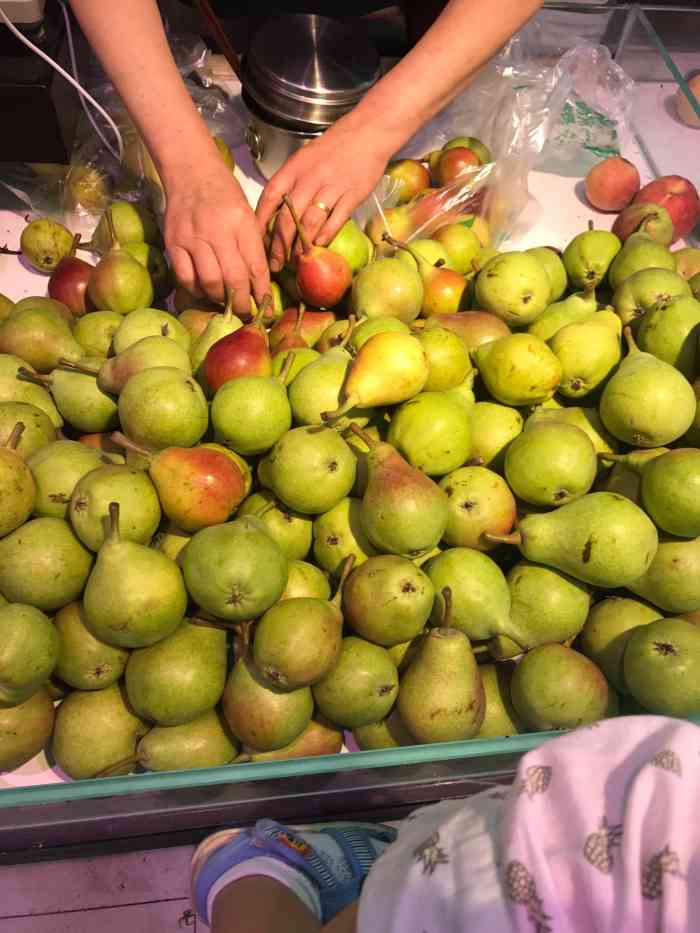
{"x": 680, "y": 198}
{"x": 612, "y": 184}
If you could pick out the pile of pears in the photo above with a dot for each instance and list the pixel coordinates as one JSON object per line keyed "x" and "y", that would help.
{"x": 426, "y": 492}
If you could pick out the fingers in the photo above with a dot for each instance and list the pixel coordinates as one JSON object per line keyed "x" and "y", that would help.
{"x": 320, "y": 208}
{"x": 236, "y": 275}
{"x": 208, "y": 269}
{"x": 270, "y": 201}
{"x": 253, "y": 256}
{"x": 340, "y": 213}
{"x": 183, "y": 267}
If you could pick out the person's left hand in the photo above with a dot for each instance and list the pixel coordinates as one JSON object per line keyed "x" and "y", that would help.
{"x": 325, "y": 181}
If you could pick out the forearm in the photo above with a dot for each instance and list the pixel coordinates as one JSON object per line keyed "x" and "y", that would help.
{"x": 128, "y": 38}
{"x": 462, "y": 39}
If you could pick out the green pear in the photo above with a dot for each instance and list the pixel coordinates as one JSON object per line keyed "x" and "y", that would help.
{"x": 163, "y": 407}
{"x": 647, "y": 402}
{"x": 40, "y": 336}
{"x": 461, "y": 244}
{"x": 387, "y": 600}
{"x": 317, "y": 388}
{"x": 670, "y": 330}
{"x": 234, "y": 571}
{"x": 139, "y": 507}
{"x": 259, "y": 715}
{"x": 694, "y": 283}
{"x": 360, "y": 688}
{"x": 551, "y": 260}
{"x": 579, "y": 307}
{"x": 672, "y": 580}
{"x": 554, "y": 687}
{"x": 320, "y": 737}
{"x": 306, "y": 580}
{"x": 171, "y": 541}
{"x": 518, "y": 370}
{"x": 84, "y": 662}
{"x": 17, "y": 486}
{"x": 351, "y": 243}
{"x": 670, "y": 485}
{"x": 441, "y": 698}
{"x": 588, "y": 256}
{"x": 607, "y": 630}
{"x": 639, "y": 252}
{"x": 154, "y": 262}
{"x": 146, "y": 353}
{"x": 338, "y": 533}
{"x": 13, "y": 389}
{"x": 480, "y": 501}
{"x": 135, "y": 595}
{"x": 30, "y": 647}
{"x": 662, "y": 667}
{"x": 588, "y": 353}
{"x": 84, "y": 405}
{"x": 96, "y": 731}
{"x": 204, "y": 742}
{"x": 687, "y": 261}
{"x": 374, "y": 325}
{"x": 149, "y": 322}
{"x": 586, "y": 419}
{"x": 38, "y": 429}
{"x": 500, "y": 718}
{"x": 180, "y": 677}
{"x": 551, "y": 464}
{"x": 387, "y": 288}
{"x": 602, "y": 539}
{"x": 289, "y": 530}
{"x": 547, "y": 605}
{"x": 119, "y": 283}
{"x": 56, "y": 469}
{"x": 432, "y": 432}
{"x": 638, "y": 294}
{"x": 387, "y": 733}
{"x": 434, "y": 252}
{"x": 7, "y": 306}
{"x": 251, "y": 413}
{"x": 49, "y": 544}
{"x": 514, "y": 286}
{"x": 25, "y": 729}
{"x": 94, "y": 331}
{"x": 493, "y": 427}
{"x": 132, "y": 223}
{"x": 448, "y": 359}
{"x": 301, "y": 357}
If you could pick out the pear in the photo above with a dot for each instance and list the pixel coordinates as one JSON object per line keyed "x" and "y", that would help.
{"x": 403, "y": 512}
{"x": 586, "y": 419}
{"x": 204, "y": 742}
{"x": 602, "y": 539}
{"x": 180, "y": 677}
{"x": 480, "y": 596}
{"x": 119, "y": 282}
{"x": 588, "y": 352}
{"x": 442, "y": 697}
{"x": 41, "y": 337}
{"x": 84, "y": 662}
{"x": 95, "y": 330}
{"x": 56, "y": 469}
{"x": 96, "y": 731}
{"x": 448, "y": 359}
{"x": 432, "y": 432}
{"x": 444, "y": 289}
{"x": 387, "y": 600}
{"x": 351, "y": 243}
{"x": 30, "y": 647}
{"x": 547, "y": 605}
{"x": 300, "y": 356}
{"x": 317, "y": 388}
{"x": 44, "y": 243}
{"x": 38, "y": 429}
{"x": 297, "y": 641}
{"x": 251, "y": 413}
{"x": 672, "y": 580}
{"x": 25, "y": 729}
{"x": 551, "y": 464}
{"x": 389, "y": 368}
{"x": 258, "y": 714}
{"x": 579, "y": 307}
{"x": 7, "y": 306}
{"x": 461, "y": 244}
{"x": 514, "y": 286}
{"x": 625, "y": 477}
{"x": 370, "y": 326}
{"x": 550, "y": 258}
{"x": 669, "y": 331}
{"x": 639, "y": 252}
{"x": 687, "y": 261}
{"x": 480, "y": 501}
{"x": 135, "y": 595}
{"x": 291, "y": 531}
{"x": 423, "y": 248}
{"x": 493, "y": 427}
{"x": 322, "y": 275}
{"x": 607, "y": 630}
{"x": 500, "y": 718}
{"x": 554, "y": 687}
{"x": 360, "y": 688}
{"x": 149, "y": 322}
{"x": 131, "y": 223}
{"x": 387, "y": 288}
{"x": 146, "y": 353}
{"x": 661, "y": 666}
{"x": 234, "y": 571}
{"x": 154, "y": 262}
{"x": 518, "y": 370}
{"x": 588, "y": 256}
{"x": 163, "y": 407}
{"x": 219, "y": 326}
{"x": 49, "y": 544}
{"x": 17, "y": 487}
{"x": 320, "y": 737}
{"x": 335, "y": 335}
{"x": 338, "y": 533}
{"x": 670, "y": 492}
{"x": 474, "y": 328}
{"x": 14, "y": 390}
{"x": 171, "y": 541}
{"x": 387, "y": 733}
{"x": 139, "y": 508}
{"x": 638, "y": 294}
{"x": 647, "y": 403}
{"x": 306, "y": 580}
{"x": 304, "y": 452}
{"x": 84, "y": 405}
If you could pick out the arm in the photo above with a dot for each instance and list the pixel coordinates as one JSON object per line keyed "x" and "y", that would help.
{"x": 342, "y": 167}
{"x": 210, "y": 231}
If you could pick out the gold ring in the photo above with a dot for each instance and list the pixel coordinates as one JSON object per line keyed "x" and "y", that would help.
{"x": 321, "y": 206}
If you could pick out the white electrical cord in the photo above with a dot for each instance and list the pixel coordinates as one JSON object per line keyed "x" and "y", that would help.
{"x": 84, "y": 96}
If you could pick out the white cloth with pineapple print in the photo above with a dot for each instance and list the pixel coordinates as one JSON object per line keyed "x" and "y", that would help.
{"x": 597, "y": 834}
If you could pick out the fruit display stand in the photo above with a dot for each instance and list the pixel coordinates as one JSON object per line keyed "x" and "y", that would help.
{"x": 41, "y": 812}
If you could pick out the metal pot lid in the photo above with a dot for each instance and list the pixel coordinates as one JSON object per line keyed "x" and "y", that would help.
{"x": 309, "y": 68}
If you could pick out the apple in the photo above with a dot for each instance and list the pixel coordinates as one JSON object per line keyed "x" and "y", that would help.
{"x": 680, "y": 198}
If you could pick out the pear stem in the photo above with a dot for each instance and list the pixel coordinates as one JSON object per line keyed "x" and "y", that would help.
{"x": 117, "y": 766}
{"x": 121, "y": 440}
{"x": 352, "y": 320}
{"x": 305, "y": 241}
{"x": 164, "y": 330}
{"x": 345, "y": 571}
{"x": 114, "y": 242}
{"x": 74, "y": 245}
{"x": 615, "y": 458}
{"x": 399, "y": 244}
{"x": 301, "y": 311}
{"x": 15, "y": 435}
{"x": 363, "y": 435}
{"x": 516, "y": 539}
{"x": 446, "y": 621}
{"x": 349, "y": 403}
{"x": 629, "y": 340}
{"x": 114, "y": 521}
{"x": 286, "y": 366}
{"x": 228, "y": 309}
{"x": 24, "y": 375}
{"x": 77, "y": 367}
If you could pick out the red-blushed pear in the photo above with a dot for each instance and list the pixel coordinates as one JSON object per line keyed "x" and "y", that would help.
{"x": 474, "y": 327}
{"x": 680, "y": 198}
{"x": 312, "y": 326}
{"x": 69, "y": 281}
{"x": 244, "y": 353}
{"x": 197, "y": 486}
{"x": 323, "y": 276}
{"x": 640, "y": 217}
{"x": 294, "y": 338}
{"x": 443, "y": 289}
{"x": 453, "y": 163}
{"x": 411, "y": 175}
{"x": 195, "y": 321}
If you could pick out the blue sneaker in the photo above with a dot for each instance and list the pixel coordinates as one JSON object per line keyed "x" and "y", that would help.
{"x": 324, "y": 864}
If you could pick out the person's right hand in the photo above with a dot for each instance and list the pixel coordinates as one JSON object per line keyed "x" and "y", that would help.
{"x": 212, "y": 236}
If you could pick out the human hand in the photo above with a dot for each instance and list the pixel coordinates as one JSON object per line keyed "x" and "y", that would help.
{"x": 212, "y": 236}
{"x": 325, "y": 181}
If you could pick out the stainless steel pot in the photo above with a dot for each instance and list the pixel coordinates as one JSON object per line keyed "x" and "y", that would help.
{"x": 301, "y": 73}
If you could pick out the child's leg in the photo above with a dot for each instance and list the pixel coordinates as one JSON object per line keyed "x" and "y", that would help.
{"x": 257, "y": 904}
